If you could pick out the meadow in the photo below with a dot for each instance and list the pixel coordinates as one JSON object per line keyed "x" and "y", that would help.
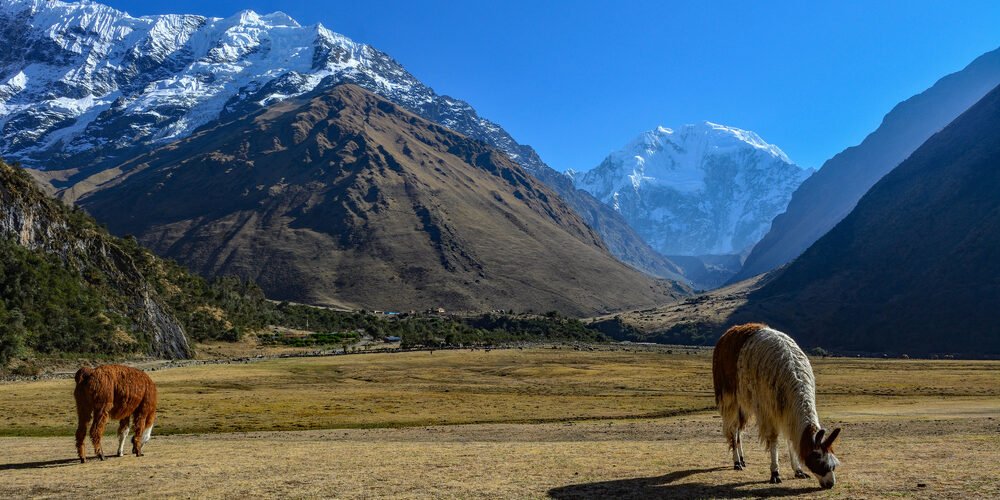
{"x": 563, "y": 423}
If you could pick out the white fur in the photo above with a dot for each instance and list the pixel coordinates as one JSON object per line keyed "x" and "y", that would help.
{"x": 148, "y": 433}
{"x": 122, "y": 438}
{"x": 776, "y": 385}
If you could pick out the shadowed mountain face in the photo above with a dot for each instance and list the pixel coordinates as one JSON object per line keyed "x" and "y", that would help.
{"x": 914, "y": 268}
{"x": 345, "y": 198}
{"x": 831, "y": 193}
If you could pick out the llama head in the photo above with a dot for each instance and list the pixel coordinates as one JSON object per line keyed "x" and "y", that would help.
{"x": 818, "y": 456}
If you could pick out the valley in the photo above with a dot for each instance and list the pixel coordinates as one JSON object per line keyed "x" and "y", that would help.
{"x": 345, "y": 283}
{"x": 508, "y": 423}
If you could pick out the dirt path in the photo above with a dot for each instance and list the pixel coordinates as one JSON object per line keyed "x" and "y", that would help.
{"x": 681, "y": 457}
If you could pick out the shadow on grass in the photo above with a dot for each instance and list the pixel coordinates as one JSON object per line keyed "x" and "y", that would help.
{"x": 663, "y": 487}
{"x": 47, "y": 464}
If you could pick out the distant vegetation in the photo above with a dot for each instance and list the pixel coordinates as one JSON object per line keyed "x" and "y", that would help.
{"x": 487, "y": 329}
{"x": 75, "y": 292}
{"x": 686, "y": 333}
{"x": 76, "y": 289}
{"x": 426, "y": 330}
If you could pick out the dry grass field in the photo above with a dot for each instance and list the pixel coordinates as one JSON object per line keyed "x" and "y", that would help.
{"x": 541, "y": 422}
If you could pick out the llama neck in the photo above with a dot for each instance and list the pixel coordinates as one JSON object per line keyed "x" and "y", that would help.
{"x": 806, "y": 425}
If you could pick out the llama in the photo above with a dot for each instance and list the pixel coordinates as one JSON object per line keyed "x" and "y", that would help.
{"x": 761, "y": 372}
{"x": 116, "y": 392}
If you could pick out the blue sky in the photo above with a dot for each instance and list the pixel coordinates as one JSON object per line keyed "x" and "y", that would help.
{"x": 578, "y": 79}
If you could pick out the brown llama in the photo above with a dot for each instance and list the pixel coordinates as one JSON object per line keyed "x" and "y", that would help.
{"x": 116, "y": 392}
{"x": 761, "y": 372}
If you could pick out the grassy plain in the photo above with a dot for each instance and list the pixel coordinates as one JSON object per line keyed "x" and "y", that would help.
{"x": 538, "y": 422}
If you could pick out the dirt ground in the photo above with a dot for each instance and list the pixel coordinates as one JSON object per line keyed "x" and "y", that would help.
{"x": 925, "y": 429}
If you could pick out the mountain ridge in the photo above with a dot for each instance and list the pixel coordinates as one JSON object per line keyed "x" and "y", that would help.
{"x": 344, "y": 198}
{"x": 913, "y": 267}
{"x": 120, "y": 85}
{"x": 700, "y": 189}
{"x": 829, "y": 195}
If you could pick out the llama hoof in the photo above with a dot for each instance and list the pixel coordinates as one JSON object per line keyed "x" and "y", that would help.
{"x": 801, "y": 475}
{"x": 738, "y": 466}
{"x": 83, "y": 460}
{"x": 743, "y": 463}
{"x": 775, "y": 478}
{"x": 100, "y": 456}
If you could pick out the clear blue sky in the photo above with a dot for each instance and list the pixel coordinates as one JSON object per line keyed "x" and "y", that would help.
{"x": 577, "y": 79}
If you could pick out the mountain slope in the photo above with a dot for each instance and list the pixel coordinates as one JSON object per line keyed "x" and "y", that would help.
{"x": 702, "y": 189}
{"x": 68, "y": 286}
{"x": 84, "y": 87}
{"x": 914, "y": 266}
{"x": 830, "y": 194}
{"x": 621, "y": 239}
{"x": 344, "y": 198}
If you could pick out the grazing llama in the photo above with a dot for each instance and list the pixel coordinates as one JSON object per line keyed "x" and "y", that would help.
{"x": 117, "y": 392}
{"x": 761, "y": 372}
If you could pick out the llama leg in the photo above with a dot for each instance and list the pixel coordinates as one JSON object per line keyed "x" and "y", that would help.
{"x": 83, "y": 418}
{"x": 734, "y": 443}
{"x": 732, "y": 436}
{"x": 143, "y": 435}
{"x": 97, "y": 429}
{"x": 730, "y": 428}
{"x": 793, "y": 458}
{"x": 772, "y": 445}
{"x": 138, "y": 422}
{"x": 742, "y": 420}
{"x": 123, "y": 429}
{"x": 148, "y": 433}
{"x": 739, "y": 444}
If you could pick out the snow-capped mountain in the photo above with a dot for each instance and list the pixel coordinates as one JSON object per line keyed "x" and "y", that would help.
{"x": 81, "y": 84}
{"x": 698, "y": 190}
{"x": 84, "y": 86}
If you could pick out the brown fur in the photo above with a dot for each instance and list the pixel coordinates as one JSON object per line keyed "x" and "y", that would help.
{"x": 113, "y": 392}
{"x": 807, "y": 444}
{"x": 725, "y": 356}
{"x": 814, "y": 450}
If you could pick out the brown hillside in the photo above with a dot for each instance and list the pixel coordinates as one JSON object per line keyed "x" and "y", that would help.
{"x": 347, "y": 199}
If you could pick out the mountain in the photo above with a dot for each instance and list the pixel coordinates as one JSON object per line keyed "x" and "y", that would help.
{"x": 913, "y": 268}
{"x": 703, "y": 189}
{"x": 621, "y": 239}
{"x": 344, "y": 198}
{"x": 830, "y": 194}
{"x": 66, "y": 285}
{"x": 84, "y": 87}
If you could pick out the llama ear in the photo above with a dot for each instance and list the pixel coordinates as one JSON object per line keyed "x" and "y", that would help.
{"x": 833, "y": 437}
{"x": 819, "y": 437}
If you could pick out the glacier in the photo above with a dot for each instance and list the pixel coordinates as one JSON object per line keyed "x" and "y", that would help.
{"x": 699, "y": 189}
{"x": 83, "y": 85}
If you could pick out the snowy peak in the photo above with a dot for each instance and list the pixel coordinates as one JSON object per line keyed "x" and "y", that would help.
{"x": 85, "y": 77}
{"x": 698, "y": 189}
{"x": 751, "y": 138}
{"x": 84, "y": 86}
{"x": 675, "y": 157}
{"x": 712, "y": 135}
